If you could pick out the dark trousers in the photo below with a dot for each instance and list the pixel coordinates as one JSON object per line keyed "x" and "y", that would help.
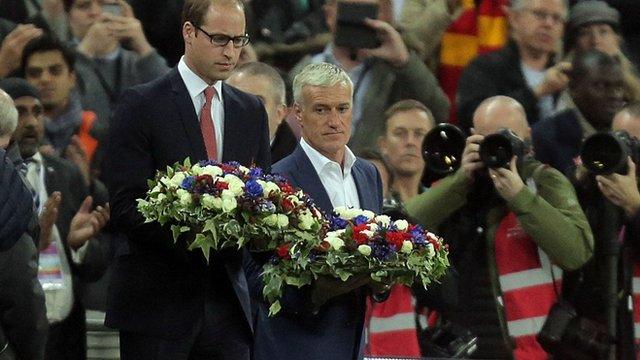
{"x": 221, "y": 334}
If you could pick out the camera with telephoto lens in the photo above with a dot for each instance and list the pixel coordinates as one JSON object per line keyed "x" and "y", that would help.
{"x": 496, "y": 150}
{"x": 567, "y": 335}
{"x": 606, "y": 153}
{"x": 442, "y": 148}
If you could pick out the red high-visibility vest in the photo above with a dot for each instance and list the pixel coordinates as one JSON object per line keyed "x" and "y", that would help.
{"x": 528, "y": 284}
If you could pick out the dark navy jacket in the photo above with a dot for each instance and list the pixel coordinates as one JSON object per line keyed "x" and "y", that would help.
{"x": 335, "y": 331}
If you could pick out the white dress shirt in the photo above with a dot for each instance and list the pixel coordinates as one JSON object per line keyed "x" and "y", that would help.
{"x": 338, "y": 182}
{"x": 196, "y": 86}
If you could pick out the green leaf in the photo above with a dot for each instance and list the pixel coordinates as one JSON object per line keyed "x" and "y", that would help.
{"x": 202, "y": 243}
{"x": 177, "y": 230}
{"x": 274, "y": 308}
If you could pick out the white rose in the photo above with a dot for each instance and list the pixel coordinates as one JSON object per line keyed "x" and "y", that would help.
{"x": 214, "y": 171}
{"x": 177, "y": 178}
{"x": 226, "y": 193}
{"x": 270, "y": 187}
{"x": 341, "y": 211}
{"x": 184, "y": 197}
{"x": 244, "y": 169}
{"x": 161, "y": 197}
{"x": 229, "y": 204}
{"x": 271, "y": 220}
{"x": 373, "y": 227}
{"x": 364, "y": 250}
{"x": 235, "y": 184}
{"x": 283, "y": 220}
{"x": 384, "y": 220}
{"x": 196, "y": 169}
{"x": 401, "y": 225}
{"x": 306, "y": 220}
{"x": 208, "y": 201}
{"x": 367, "y": 233}
{"x": 369, "y": 214}
{"x": 335, "y": 242}
{"x": 407, "y": 246}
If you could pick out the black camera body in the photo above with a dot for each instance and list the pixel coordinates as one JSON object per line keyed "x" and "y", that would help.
{"x": 449, "y": 340}
{"x": 607, "y": 152}
{"x": 442, "y": 149}
{"x": 351, "y": 31}
{"x": 566, "y": 335}
{"x": 496, "y": 150}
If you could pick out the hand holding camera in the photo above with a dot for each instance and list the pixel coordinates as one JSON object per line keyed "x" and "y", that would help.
{"x": 556, "y": 79}
{"x": 507, "y": 182}
{"x": 471, "y": 162}
{"x": 622, "y": 190}
{"x": 392, "y": 48}
{"x": 116, "y": 25}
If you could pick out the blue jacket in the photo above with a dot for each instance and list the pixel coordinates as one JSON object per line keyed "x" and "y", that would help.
{"x": 335, "y": 331}
{"x": 557, "y": 141}
{"x": 16, "y": 204}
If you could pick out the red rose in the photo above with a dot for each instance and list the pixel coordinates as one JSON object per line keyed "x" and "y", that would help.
{"x": 287, "y": 205}
{"x": 358, "y": 236}
{"x": 286, "y": 188}
{"x": 227, "y": 168}
{"x": 395, "y": 238}
{"x": 221, "y": 185}
{"x": 204, "y": 179}
{"x": 323, "y": 246}
{"x": 283, "y": 251}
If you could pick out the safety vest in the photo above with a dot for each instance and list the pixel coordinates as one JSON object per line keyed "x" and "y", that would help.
{"x": 528, "y": 284}
{"x": 391, "y": 325}
{"x": 89, "y": 143}
{"x": 635, "y": 291}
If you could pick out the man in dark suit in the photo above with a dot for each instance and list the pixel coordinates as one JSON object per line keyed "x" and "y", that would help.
{"x": 70, "y": 252}
{"x": 166, "y": 301}
{"x": 324, "y": 321}
{"x": 266, "y": 83}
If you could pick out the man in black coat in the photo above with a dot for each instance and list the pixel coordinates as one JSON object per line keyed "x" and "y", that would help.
{"x": 524, "y": 68}
{"x": 167, "y": 302}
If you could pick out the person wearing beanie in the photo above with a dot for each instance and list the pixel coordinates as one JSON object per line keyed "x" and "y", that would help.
{"x": 593, "y": 24}
{"x": 23, "y": 324}
{"x": 70, "y": 244}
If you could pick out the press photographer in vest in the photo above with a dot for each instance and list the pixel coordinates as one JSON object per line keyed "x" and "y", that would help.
{"x": 603, "y": 291}
{"x": 511, "y": 226}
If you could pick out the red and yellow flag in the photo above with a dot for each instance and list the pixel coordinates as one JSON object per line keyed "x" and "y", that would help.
{"x": 478, "y": 30}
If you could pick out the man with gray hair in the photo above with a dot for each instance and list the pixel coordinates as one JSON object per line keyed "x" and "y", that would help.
{"x": 23, "y": 324}
{"x": 266, "y": 83}
{"x": 524, "y": 69}
{"x": 329, "y": 311}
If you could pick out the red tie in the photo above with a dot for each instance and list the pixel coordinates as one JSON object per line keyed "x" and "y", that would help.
{"x": 206, "y": 124}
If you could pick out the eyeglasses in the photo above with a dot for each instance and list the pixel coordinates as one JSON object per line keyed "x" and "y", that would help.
{"x": 223, "y": 40}
{"x": 542, "y": 15}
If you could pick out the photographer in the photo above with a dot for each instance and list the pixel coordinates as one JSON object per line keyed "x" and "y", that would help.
{"x": 505, "y": 226}
{"x": 611, "y": 203}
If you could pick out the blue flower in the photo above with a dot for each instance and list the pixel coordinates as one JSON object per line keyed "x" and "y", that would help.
{"x": 255, "y": 172}
{"x": 381, "y": 250}
{"x": 418, "y": 236}
{"x": 253, "y": 189}
{"x": 337, "y": 223}
{"x": 360, "y": 219}
{"x": 188, "y": 183}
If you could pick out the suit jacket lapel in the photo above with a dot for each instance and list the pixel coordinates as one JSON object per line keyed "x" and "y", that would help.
{"x": 366, "y": 199}
{"x": 306, "y": 178}
{"x": 233, "y": 125}
{"x": 188, "y": 116}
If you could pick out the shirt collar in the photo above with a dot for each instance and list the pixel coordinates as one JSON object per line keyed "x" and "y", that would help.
{"x": 194, "y": 83}
{"x": 320, "y": 161}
